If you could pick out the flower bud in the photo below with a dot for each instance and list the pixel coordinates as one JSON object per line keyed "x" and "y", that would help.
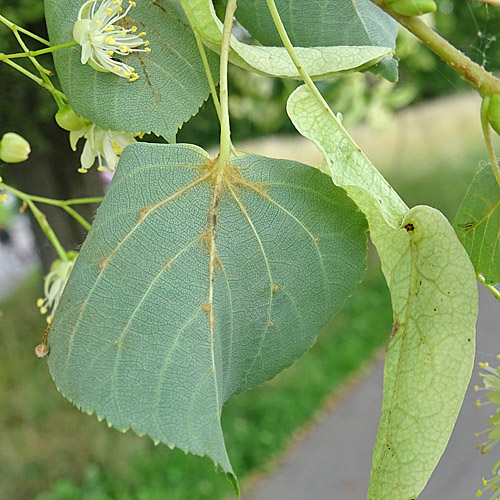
{"x": 494, "y": 112}
{"x": 67, "y": 119}
{"x": 14, "y": 148}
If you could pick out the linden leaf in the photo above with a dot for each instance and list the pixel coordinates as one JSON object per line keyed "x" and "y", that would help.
{"x": 477, "y": 224}
{"x": 434, "y": 298}
{"x": 319, "y": 62}
{"x": 194, "y": 284}
{"x": 172, "y": 84}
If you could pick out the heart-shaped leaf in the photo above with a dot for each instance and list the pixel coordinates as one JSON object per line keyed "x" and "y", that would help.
{"x": 195, "y": 284}
{"x": 172, "y": 83}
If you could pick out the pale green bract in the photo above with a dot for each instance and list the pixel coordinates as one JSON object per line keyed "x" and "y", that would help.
{"x": 477, "y": 224}
{"x": 192, "y": 286}
{"x": 434, "y": 296}
{"x": 324, "y": 23}
{"x": 319, "y": 62}
{"x": 171, "y": 84}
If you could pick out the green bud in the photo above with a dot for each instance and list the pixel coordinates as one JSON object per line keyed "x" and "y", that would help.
{"x": 67, "y": 119}
{"x": 413, "y": 7}
{"x": 494, "y": 112}
{"x": 14, "y": 148}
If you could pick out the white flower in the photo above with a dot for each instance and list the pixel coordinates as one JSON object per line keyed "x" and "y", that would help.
{"x": 106, "y": 145}
{"x": 101, "y": 39}
{"x": 54, "y": 284}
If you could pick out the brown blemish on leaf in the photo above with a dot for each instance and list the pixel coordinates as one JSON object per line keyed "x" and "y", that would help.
{"x": 270, "y": 324}
{"x": 275, "y": 288}
{"x": 410, "y": 227}
{"x": 206, "y": 307}
{"x": 395, "y": 328}
{"x": 103, "y": 263}
{"x": 145, "y": 211}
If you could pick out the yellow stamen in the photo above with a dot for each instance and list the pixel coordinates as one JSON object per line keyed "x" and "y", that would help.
{"x": 485, "y": 483}
{"x": 134, "y": 77}
{"x": 483, "y": 365}
{"x": 101, "y": 168}
{"x": 49, "y": 319}
{"x": 98, "y": 23}
{"x": 131, "y": 69}
{"x": 478, "y": 403}
{"x": 479, "y": 493}
{"x": 116, "y": 68}
{"x": 133, "y": 29}
{"x": 142, "y": 33}
{"x": 82, "y": 170}
{"x": 109, "y": 11}
{"x": 147, "y": 50}
{"x": 43, "y": 310}
{"x": 127, "y": 74}
{"x": 39, "y": 302}
{"x": 110, "y": 40}
{"x": 109, "y": 28}
{"x": 109, "y": 52}
{"x": 131, "y": 2}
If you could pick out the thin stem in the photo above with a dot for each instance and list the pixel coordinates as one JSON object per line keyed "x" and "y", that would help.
{"x": 64, "y": 204}
{"x": 206, "y": 66}
{"x": 483, "y": 81}
{"x": 35, "y": 63}
{"x": 491, "y": 288}
{"x": 47, "y": 229}
{"x": 14, "y": 26}
{"x": 225, "y": 132}
{"x": 76, "y": 216}
{"x": 46, "y": 84}
{"x": 293, "y": 55}
{"x": 485, "y": 125}
{"x": 36, "y": 53}
{"x": 210, "y": 78}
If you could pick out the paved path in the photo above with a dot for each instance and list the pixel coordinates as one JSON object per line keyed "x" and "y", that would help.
{"x": 333, "y": 462}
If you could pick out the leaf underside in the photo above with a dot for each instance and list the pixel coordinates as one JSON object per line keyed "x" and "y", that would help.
{"x": 434, "y": 297}
{"x": 477, "y": 224}
{"x": 192, "y": 286}
{"x": 172, "y": 84}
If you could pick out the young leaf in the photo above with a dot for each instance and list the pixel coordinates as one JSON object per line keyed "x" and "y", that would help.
{"x": 172, "y": 84}
{"x": 320, "y": 62}
{"x": 193, "y": 285}
{"x": 434, "y": 297}
{"x": 478, "y": 224}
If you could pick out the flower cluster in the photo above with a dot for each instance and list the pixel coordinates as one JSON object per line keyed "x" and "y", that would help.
{"x": 105, "y": 145}
{"x": 491, "y": 381}
{"x": 54, "y": 284}
{"x": 102, "y": 39}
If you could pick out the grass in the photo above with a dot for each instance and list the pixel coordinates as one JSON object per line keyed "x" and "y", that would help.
{"x": 48, "y": 446}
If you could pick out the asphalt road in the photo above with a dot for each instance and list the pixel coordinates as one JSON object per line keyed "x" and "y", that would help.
{"x": 333, "y": 461}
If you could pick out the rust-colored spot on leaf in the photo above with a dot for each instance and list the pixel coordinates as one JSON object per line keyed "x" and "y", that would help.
{"x": 409, "y": 227}
{"x": 103, "y": 263}
{"x": 275, "y": 287}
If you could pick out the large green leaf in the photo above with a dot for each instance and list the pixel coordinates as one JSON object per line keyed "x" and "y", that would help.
{"x": 320, "y": 62}
{"x": 172, "y": 84}
{"x": 434, "y": 298}
{"x": 194, "y": 285}
{"x": 478, "y": 224}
